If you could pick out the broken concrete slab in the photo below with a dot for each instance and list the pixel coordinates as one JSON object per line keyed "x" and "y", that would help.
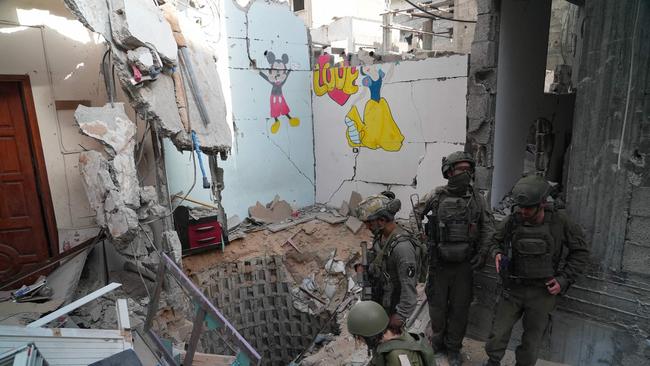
{"x": 278, "y": 211}
{"x": 94, "y": 169}
{"x": 126, "y": 176}
{"x": 122, "y": 224}
{"x": 354, "y": 224}
{"x": 137, "y": 23}
{"x": 142, "y": 58}
{"x": 108, "y": 124}
{"x": 344, "y": 209}
{"x": 172, "y": 242}
{"x": 331, "y": 219}
{"x": 92, "y": 14}
{"x": 353, "y": 203}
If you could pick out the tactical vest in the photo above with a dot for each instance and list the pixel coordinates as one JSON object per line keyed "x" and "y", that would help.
{"x": 382, "y": 286}
{"x": 457, "y": 227}
{"x": 533, "y": 249}
{"x": 414, "y": 343}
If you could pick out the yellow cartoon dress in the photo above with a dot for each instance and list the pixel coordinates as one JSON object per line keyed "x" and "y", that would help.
{"x": 377, "y": 129}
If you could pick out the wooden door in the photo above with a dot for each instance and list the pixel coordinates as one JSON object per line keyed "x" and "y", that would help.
{"x": 23, "y": 234}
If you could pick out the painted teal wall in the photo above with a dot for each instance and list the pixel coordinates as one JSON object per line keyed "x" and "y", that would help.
{"x": 261, "y": 164}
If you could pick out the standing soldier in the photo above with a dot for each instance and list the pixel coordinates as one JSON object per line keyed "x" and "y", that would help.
{"x": 530, "y": 258}
{"x": 458, "y": 231}
{"x": 393, "y": 260}
{"x": 368, "y": 321}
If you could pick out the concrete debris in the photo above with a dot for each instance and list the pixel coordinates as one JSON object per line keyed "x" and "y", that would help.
{"x": 149, "y": 206}
{"x": 137, "y": 23}
{"x": 112, "y": 185}
{"x": 106, "y": 198}
{"x": 142, "y": 58}
{"x": 335, "y": 266}
{"x": 353, "y": 203}
{"x": 234, "y": 222}
{"x": 108, "y": 124}
{"x": 275, "y": 212}
{"x": 137, "y": 26}
{"x": 344, "y": 209}
{"x": 331, "y": 219}
{"x": 171, "y": 240}
{"x": 354, "y": 224}
{"x": 284, "y": 226}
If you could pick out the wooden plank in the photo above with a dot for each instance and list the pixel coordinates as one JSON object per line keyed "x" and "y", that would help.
{"x": 73, "y": 305}
{"x": 63, "y": 105}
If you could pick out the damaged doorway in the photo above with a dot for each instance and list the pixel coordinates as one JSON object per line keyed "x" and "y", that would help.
{"x": 27, "y": 224}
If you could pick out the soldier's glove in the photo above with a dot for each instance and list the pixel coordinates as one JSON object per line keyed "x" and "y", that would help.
{"x": 395, "y": 324}
{"x": 478, "y": 261}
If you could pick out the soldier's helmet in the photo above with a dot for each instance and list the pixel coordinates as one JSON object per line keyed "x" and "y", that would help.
{"x": 377, "y": 206}
{"x": 367, "y": 319}
{"x": 530, "y": 190}
{"x": 453, "y": 158}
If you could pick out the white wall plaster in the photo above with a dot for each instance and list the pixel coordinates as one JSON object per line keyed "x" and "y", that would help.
{"x": 427, "y": 102}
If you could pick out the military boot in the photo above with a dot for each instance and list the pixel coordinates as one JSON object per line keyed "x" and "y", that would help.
{"x": 491, "y": 363}
{"x": 454, "y": 358}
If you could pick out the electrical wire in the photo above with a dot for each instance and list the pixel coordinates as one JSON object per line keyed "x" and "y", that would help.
{"x": 435, "y": 16}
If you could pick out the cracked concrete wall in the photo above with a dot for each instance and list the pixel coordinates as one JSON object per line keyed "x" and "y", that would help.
{"x": 62, "y": 61}
{"x": 262, "y": 163}
{"x": 427, "y": 102}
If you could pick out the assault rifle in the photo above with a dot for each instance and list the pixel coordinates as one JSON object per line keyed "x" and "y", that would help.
{"x": 366, "y": 293}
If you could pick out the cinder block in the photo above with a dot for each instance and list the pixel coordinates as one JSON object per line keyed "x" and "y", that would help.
{"x": 484, "y": 54}
{"x": 487, "y": 28}
{"x": 640, "y": 205}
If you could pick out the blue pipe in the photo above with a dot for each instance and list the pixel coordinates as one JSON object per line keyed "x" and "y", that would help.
{"x": 197, "y": 149}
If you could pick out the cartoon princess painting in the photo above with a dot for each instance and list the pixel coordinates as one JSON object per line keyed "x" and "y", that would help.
{"x": 377, "y": 129}
{"x": 277, "y": 76}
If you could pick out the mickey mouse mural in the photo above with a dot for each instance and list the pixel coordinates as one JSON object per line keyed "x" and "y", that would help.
{"x": 276, "y": 76}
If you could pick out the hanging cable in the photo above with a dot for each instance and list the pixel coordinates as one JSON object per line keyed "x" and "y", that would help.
{"x": 435, "y": 16}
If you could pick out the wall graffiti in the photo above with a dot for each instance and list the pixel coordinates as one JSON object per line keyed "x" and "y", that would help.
{"x": 276, "y": 76}
{"x": 377, "y": 129}
{"x": 339, "y": 83}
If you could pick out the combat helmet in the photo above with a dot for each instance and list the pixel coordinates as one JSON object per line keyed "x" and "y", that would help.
{"x": 453, "y": 158}
{"x": 530, "y": 190}
{"x": 381, "y": 205}
{"x": 367, "y": 319}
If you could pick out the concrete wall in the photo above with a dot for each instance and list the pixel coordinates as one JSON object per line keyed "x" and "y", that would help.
{"x": 427, "y": 102}
{"x": 262, "y": 163}
{"x": 62, "y": 59}
{"x": 604, "y": 318}
{"x": 520, "y": 87}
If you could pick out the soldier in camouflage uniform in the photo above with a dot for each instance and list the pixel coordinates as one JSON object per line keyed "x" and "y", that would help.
{"x": 368, "y": 320}
{"x": 458, "y": 231}
{"x": 394, "y": 260}
{"x": 529, "y": 247}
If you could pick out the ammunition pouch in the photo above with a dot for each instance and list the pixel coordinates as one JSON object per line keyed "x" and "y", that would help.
{"x": 454, "y": 252}
{"x": 532, "y": 251}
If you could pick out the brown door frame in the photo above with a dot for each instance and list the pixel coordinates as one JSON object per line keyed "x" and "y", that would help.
{"x": 38, "y": 160}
